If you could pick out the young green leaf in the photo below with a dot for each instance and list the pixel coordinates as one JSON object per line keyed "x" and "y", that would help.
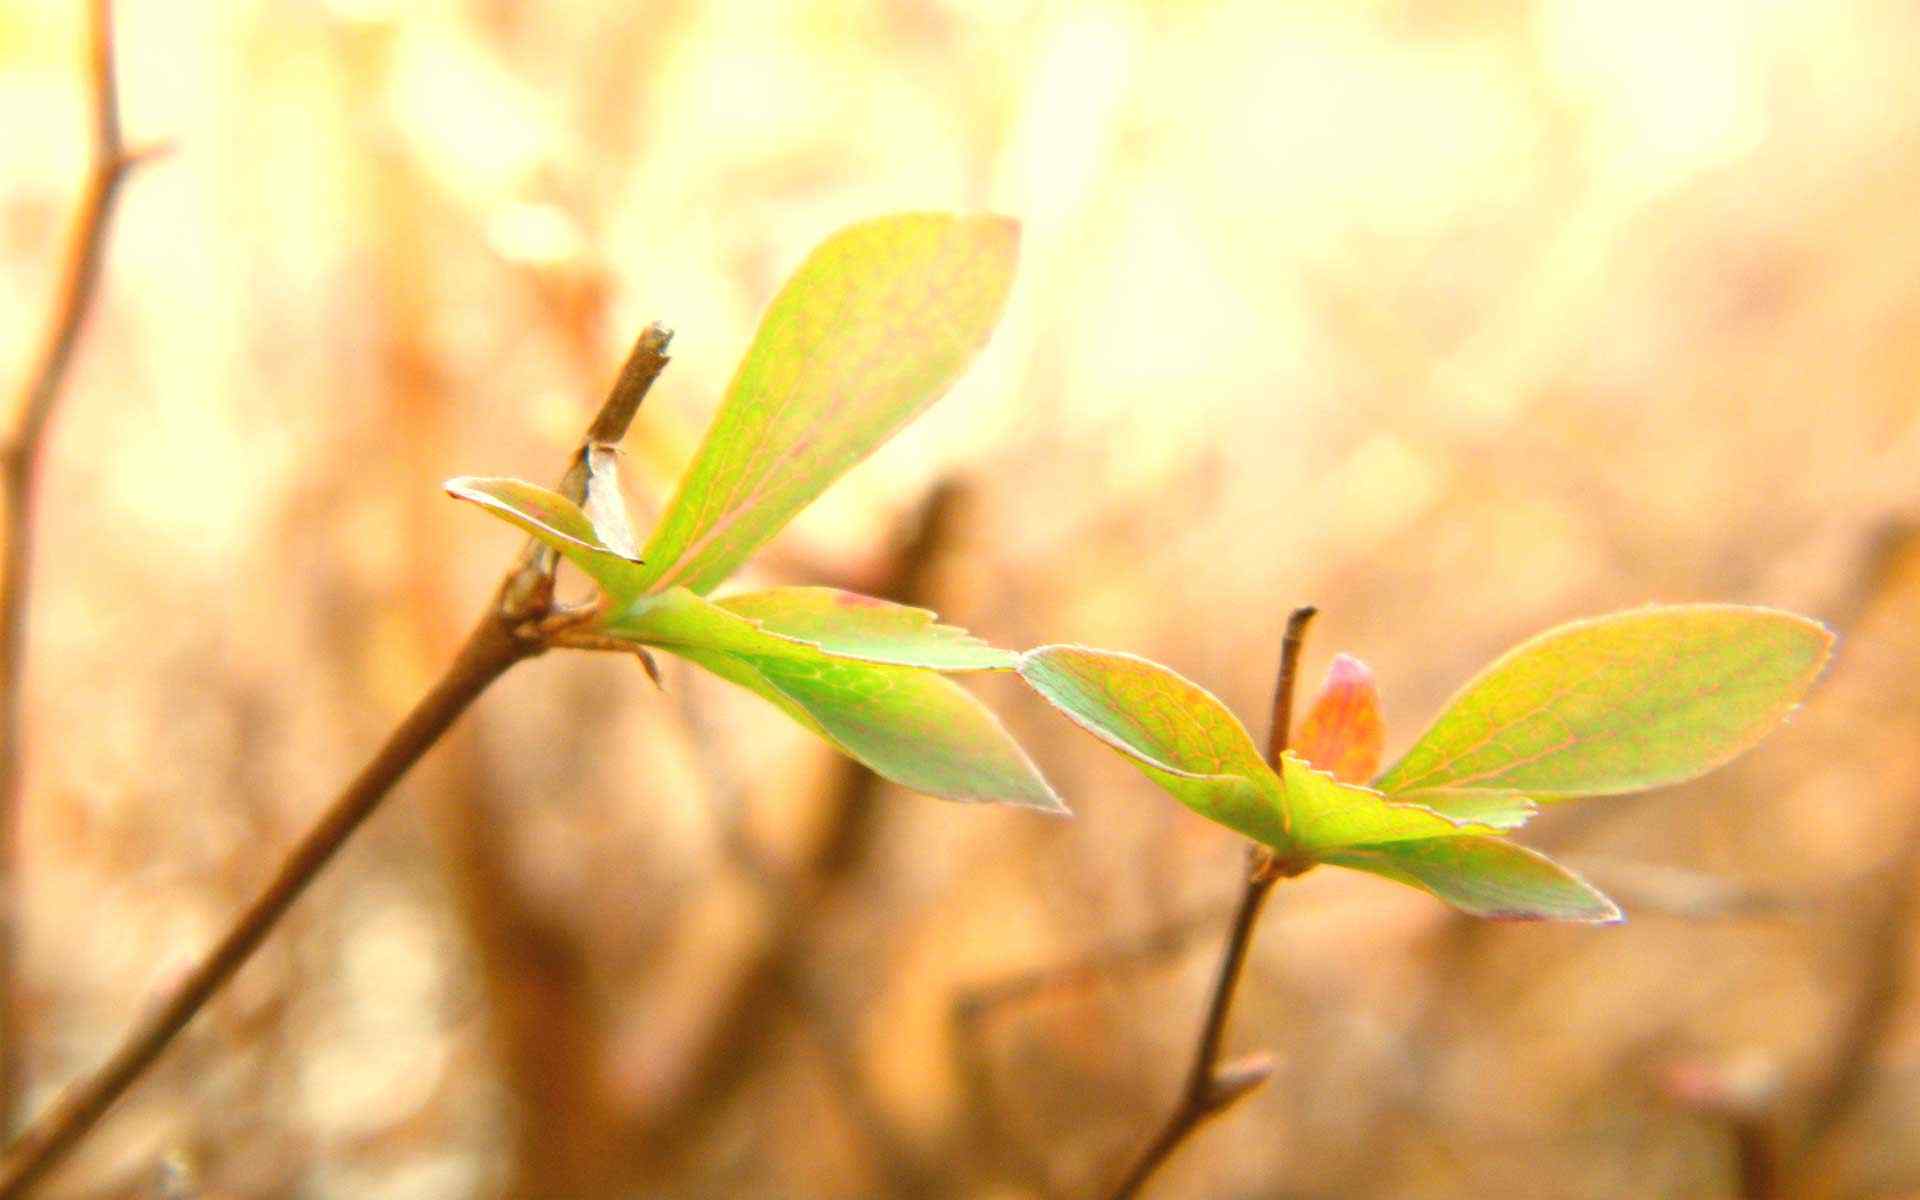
{"x": 909, "y": 725}
{"x": 1502, "y": 811}
{"x": 1173, "y": 729}
{"x": 849, "y": 625}
{"x": 1343, "y": 732}
{"x": 1485, "y": 877}
{"x": 874, "y": 327}
{"x": 1619, "y": 703}
{"x": 1327, "y": 814}
{"x": 559, "y": 523}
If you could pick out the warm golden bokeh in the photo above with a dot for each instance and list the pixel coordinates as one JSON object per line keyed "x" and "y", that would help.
{"x": 1458, "y": 320}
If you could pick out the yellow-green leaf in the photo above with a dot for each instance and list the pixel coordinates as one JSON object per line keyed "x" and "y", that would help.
{"x": 1619, "y": 703}
{"x": 1175, "y": 731}
{"x": 1485, "y": 877}
{"x": 910, "y": 725}
{"x": 559, "y": 523}
{"x": 1327, "y": 814}
{"x": 874, "y": 327}
{"x": 1502, "y": 811}
{"x": 849, "y": 625}
{"x": 1188, "y": 742}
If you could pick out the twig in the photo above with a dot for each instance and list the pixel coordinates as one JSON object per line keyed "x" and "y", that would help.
{"x": 515, "y": 627}
{"x": 1213, "y": 1086}
{"x": 991, "y": 1139}
{"x": 1841, "y": 1096}
{"x": 20, "y": 462}
{"x": 644, "y": 364}
{"x": 1097, "y": 965}
{"x": 1290, "y": 643}
{"x": 1740, "y": 1097}
{"x": 1864, "y": 1031}
{"x": 1756, "y": 1158}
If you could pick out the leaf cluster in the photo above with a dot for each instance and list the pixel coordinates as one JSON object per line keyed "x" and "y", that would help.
{"x": 878, "y": 323}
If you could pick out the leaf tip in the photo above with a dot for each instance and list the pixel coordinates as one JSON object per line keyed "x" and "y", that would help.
{"x": 1607, "y": 913}
{"x": 1050, "y": 805}
{"x": 1594, "y": 907}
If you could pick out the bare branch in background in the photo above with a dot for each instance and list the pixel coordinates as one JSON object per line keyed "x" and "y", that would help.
{"x": 508, "y": 633}
{"x": 1876, "y": 1006}
{"x": 20, "y": 461}
{"x": 1094, "y": 967}
{"x": 743, "y": 1015}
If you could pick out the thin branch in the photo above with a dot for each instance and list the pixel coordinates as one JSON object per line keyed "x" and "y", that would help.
{"x": 1209, "y": 1089}
{"x": 493, "y": 647}
{"x": 1873, "y": 1015}
{"x": 1840, "y": 1098}
{"x": 20, "y": 462}
{"x": 644, "y": 363}
{"x": 1213, "y": 1086}
{"x": 1741, "y": 1098}
{"x": 1283, "y": 684}
{"x": 517, "y": 625}
{"x": 1095, "y": 966}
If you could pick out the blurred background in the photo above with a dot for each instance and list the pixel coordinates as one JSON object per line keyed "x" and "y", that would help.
{"x": 1456, "y": 319}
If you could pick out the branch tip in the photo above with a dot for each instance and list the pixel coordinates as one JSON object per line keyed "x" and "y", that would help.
{"x": 1283, "y": 686}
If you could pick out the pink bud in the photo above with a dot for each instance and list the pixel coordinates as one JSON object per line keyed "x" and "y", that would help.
{"x": 1343, "y": 732}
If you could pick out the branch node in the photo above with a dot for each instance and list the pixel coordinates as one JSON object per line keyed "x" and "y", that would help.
{"x": 139, "y": 156}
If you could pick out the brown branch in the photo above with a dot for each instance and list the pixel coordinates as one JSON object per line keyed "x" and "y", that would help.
{"x": 1863, "y": 1034}
{"x": 515, "y": 627}
{"x": 1098, "y": 965}
{"x": 1883, "y": 581}
{"x": 1290, "y": 642}
{"x": 1739, "y": 1098}
{"x": 1213, "y": 1086}
{"x": 644, "y": 363}
{"x": 20, "y": 463}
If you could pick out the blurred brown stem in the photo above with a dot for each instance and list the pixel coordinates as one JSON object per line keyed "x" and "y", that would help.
{"x": 515, "y": 627}
{"x": 20, "y": 461}
{"x": 1212, "y": 1087}
{"x": 1865, "y": 1029}
{"x": 746, "y": 1014}
{"x": 1756, "y": 1158}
